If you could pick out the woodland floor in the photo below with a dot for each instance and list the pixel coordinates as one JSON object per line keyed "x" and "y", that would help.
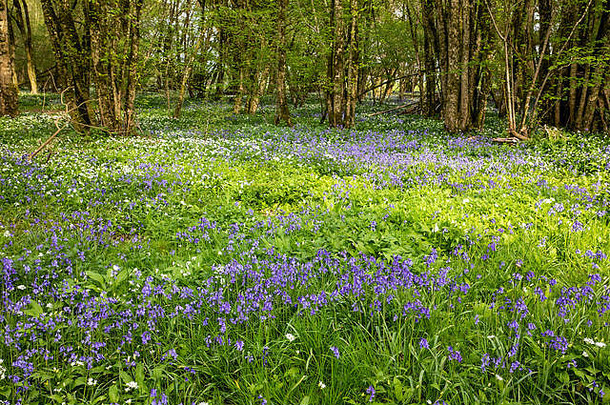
{"x": 220, "y": 259}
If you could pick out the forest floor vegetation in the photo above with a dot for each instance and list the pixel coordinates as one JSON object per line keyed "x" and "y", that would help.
{"x": 220, "y": 259}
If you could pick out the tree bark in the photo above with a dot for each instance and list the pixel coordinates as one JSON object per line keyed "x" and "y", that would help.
{"x": 9, "y": 100}
{"x": 342, "y": 68}
{"x": 431, "y": 51}
{"x": 22, "y": 17}
{"x": 114, "y": 51}
{"x": 73, "y": 58}
{"x": 351, "y": 84}
{"x": 282, "y": 114}
{"x": 336, "y": 73}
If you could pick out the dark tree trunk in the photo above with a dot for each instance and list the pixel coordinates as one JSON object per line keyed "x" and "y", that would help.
{"x": 73, "y": 57}
{"x": 352, "y": 68}
{"x": 578, "y": 101}
{"x": 430, "y": 54}
{"x": 336, "y": 72}
{"x": 8, "y": 91}
{"x": 115, "y": 47}
{"x": 282, "y": 114}
{"x": 342, "y": 67}
{"x": 458, "y": 32}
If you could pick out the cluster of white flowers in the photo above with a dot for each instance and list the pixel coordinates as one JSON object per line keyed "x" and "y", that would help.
{"x": 2, "y": 370}
{"x": 593, "y": 342}
{"x": 290, "y": 337}
{"x": 131, "y": 385}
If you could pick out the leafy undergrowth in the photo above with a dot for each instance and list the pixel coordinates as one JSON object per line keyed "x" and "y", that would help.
{"x": 222, "y": 260}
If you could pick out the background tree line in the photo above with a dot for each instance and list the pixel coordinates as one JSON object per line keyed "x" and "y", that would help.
{"x": 537, "y": 61}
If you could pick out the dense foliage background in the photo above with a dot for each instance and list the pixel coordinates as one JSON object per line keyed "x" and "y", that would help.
{"x": 537, "y": 62}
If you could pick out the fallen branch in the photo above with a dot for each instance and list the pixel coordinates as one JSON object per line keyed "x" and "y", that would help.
{"x": 48, "y": 141}
{"x": 412, "y": 109}
{"x": 510, "y": 141}
{"x": 394, "y": 109}
{"x": 518, "y": 135}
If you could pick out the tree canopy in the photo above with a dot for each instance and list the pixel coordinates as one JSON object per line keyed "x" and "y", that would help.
{"x": 535, "y": 61}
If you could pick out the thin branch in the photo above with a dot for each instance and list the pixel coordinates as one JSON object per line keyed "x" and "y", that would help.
{"x": 48, "y": 141}
{"x": 386, "y": 82}
{"x": 548, "y": 75}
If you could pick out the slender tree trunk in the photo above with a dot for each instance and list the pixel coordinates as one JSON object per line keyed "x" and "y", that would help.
{"x": 186, "y": 74}
{"x": 22, "y": 17}
{"x": 431, "y": 53}
{"x": 115, "y": 54}
{"x": 352, "y": 68}
{"x": 336, "y": 73}
{"x": 342, "y": 69}
{"x": 451, "y": 91}
{"x": 237, "y": 105}
{"x": 131, "y": 69}
{"x": 282, "y": 114}
{"x": 258, "y": 89}
{"x": 8, "y": 90}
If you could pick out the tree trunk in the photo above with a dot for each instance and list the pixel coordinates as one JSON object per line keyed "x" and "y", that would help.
{"x": 334, "y": 97}
{"x": 451, "y": 91}
{"x": 73, "y": 58}
{"x": 352, "y": 68}
{"x": 257, "y": 90}
{"x": 342, "y": 68}
{"x": 186, "y": 74}
{"x": 22, "y": 17}
{"x": 115, "y": 51}
{"x": 282, "y": 114}
{"x": 430, "y": 54}
{"x": 9, "y": 100}
{"x": 237, "y": 105}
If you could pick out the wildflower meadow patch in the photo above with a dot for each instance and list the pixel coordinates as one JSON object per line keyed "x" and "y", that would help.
{"x": 239, "y": 263}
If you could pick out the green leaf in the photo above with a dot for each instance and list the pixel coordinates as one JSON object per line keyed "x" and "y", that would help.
{"x": 122, "y": 276}
{"x": 125, "y": 377}
{"x": 113, "y": 394}
{"x": 157, "y": 372}
{"x": 97, "y": 277}
{"x": 140, "y": 374}
{"x": 305, "y": 400}
{"x": 98, "y": 400}
{"x": 79, "y": 381}
{"x": 58, "y": 398}
{"x": 398, "y": 391}
{"x": 292, "y": 372}
{"x": 34, "y": 310}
